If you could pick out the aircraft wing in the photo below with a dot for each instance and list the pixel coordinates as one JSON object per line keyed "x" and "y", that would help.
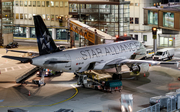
{"x": 129, "y": 61}
{"x": 35, "y": 53}
{"x": 22, "y": 59}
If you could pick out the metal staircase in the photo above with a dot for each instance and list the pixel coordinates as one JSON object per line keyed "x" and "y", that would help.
{"x": 26, "y": 75}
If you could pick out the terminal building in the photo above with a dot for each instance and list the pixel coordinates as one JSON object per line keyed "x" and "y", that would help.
{"x": 138, "y": 30}
{"x": 109, "y": 16}
{"x": 166, "y": 18}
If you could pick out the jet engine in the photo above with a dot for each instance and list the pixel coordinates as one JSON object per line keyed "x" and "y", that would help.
{"x": 141, "y": 68}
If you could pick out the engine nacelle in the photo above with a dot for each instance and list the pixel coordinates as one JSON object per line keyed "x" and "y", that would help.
{"x": 142, "y": 68}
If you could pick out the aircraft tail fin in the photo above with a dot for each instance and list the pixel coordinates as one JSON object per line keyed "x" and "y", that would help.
{"x": 45, "y": 42}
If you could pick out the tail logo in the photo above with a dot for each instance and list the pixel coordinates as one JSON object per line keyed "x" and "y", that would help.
{"x": 45, "y": 41}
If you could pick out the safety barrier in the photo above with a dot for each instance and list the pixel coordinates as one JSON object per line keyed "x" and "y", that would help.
{"x": 172, "y": 104}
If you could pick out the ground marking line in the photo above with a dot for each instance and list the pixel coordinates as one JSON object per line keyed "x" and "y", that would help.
{"x": 50, "y": 104}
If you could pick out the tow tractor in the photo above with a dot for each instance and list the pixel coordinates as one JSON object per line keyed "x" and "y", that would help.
{"x": 113, "y": 85}
{"x": 39, "y": 82}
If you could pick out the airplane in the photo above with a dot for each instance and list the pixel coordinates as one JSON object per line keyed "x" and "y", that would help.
{"x": 96, "y": 57}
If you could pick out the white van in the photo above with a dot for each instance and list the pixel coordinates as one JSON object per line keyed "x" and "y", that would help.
{"x": 164, "y": 54}
{"x": 149, "y": 53}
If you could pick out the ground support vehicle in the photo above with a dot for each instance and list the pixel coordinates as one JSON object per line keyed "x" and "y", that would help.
{"x": 47, "y": 72}
{"x": 149, "y": 53}
{"x": 12, "y": 45}
{"x": 114, "y": 85}
{"x": 162, "y": 100}
{"x": 164, "y": 54}
{"x": 126, "y": 103}
{"x": 39, "y": 82}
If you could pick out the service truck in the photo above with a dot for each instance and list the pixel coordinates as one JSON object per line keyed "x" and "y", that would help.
{"x": 113, "y": 85}
{"x": 164, "y": 54}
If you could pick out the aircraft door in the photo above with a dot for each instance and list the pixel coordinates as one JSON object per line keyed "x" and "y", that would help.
{"x": 68, "y": 58}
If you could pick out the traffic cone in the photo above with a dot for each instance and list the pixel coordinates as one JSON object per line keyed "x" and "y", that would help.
{"x": 144, "y": 75}
{"x": 29, "y": 94}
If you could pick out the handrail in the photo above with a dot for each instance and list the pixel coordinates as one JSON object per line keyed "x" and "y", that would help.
{"x": 25, "y": 74}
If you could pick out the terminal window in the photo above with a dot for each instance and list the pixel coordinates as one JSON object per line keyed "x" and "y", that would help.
{"x": 30, "y": 3}
{"x": 145, "y": 38}
{"x": 34, "y": 3}
{"x": 21, "y": 3}
{"x": 52, "y": 4}
{"x": 25, "y": 3}
{"x": 61, "y": 4}
{"x": 25, "y": 16}
{"x": 17, "y": 3}
{"x": 136, "y": 20}
{"x": 43, "y": 3}
{"x": 56, "y": 4}
{"x": 38, "y": 4}
{"x": 47, "y": 4}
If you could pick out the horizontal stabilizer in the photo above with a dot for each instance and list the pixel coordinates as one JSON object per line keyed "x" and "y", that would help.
{"x": 22, "y": 59}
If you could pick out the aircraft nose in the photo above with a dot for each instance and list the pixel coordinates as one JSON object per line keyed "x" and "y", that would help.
{"x": 37, "y": 61}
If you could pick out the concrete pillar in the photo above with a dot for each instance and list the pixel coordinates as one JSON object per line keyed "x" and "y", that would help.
{"x": 54, "y": 33}
{"x": 27, "y": 32}
{"x": 72, "y": 39}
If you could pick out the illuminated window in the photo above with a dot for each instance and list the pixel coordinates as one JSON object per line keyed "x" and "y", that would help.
{"x": 57, "y": 18}
{"x": 61, "y": 4}
{"x": 25, "y": 16}
{"x": 43, "y": 3}
{"x": 56, "y": 4}
{"x": 47, "y": 4}
{"x": 145, "y": 38}
{"x": 21, "y": 3}
{"x": 66, "y": 4}
{"x": 52, "y": 17}
{"x": 25, "y": 3}
{"x": 30, "y": 16}
{"x": 29, "y": 3}
{"x": 44, "y": 17}
{"x": 131, "y": 20}
{"x": 17, "y": 16}
{"x": 21, "y": 16}
{"x": 34, "y": 3}
{"x": 136, "y": 4}
{"x": 38, "y": 4}
{"x": 47, "y": 17}
{"x": 52, "y": 4}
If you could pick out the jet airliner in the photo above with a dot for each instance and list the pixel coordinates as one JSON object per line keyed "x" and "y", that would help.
{"x": 96, "y": 57}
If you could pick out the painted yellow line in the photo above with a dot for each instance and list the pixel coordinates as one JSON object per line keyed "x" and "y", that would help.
{"x": 46, "y": 105}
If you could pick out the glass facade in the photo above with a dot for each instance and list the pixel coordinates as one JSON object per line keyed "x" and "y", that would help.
{"x": 19, "y": 31}
{"x": 166, "y": 41}
{"x": 106, "y": 17}
{"x": 61, "y": 34}
{"x": 152, "y": 18}
{"x": 7, "y": 17}
{"x": 168, "y": 19}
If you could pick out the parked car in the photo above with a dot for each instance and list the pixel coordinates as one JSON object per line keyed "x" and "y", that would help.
{"x": 12, "y": 45}
{"x": 149, "y": 53}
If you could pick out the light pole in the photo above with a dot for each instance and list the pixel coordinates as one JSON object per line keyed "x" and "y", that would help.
{"x": 154, "y": 33}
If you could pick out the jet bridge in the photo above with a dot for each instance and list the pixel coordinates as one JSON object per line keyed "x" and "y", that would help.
{"x": 87, "y": 35}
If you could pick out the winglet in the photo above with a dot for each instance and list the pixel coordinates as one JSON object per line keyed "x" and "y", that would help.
{"x": 6, "y": 50}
